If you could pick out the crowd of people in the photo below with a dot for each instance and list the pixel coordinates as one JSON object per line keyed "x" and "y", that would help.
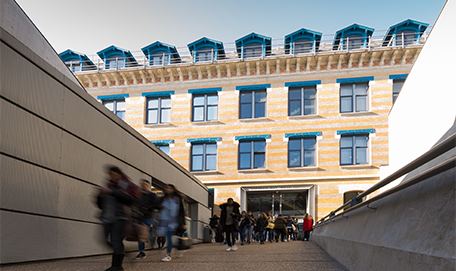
{"x": 235, "y": 227}
{"x": 121, "y": 201}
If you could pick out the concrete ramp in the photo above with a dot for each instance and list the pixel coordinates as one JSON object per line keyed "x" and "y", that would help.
{"x": 55, "y": 140}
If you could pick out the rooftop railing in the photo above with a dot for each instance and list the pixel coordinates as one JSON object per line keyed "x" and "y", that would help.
{"x": 357, "y": 201}
{"x": 233, "y": 54}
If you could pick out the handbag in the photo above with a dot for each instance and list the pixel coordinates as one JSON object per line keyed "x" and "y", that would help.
{"x": 138, "y": 232}
{"x": 270, "y": 225}
{"x": 182, "y": 242}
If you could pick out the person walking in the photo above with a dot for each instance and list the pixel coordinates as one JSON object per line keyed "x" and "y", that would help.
{"x": 147, "y": 206}
{"x": 172, "y": 217}
{"x": 270, "y": 231}
{"x": 244, "y": 222}
{"x": 307, "y": 226}
{"x": 289, "y": 228}
{"x": 213, "y": 223}
{"x": 114, "y": 200}
{"x": 280, "y": 227}
{"x": 262, "y": 223}
{"x": 250, "y": 227}
{"x": 229, "y": 220}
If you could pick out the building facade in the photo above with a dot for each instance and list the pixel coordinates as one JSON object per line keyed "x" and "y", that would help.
{"x": 294, "y": 128}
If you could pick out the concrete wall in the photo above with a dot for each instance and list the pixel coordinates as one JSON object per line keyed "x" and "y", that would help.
{"x": 414, "y": 229}
{"x": 55, "y": 140}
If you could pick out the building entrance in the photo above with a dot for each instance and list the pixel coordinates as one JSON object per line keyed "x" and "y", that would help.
{"x": 292, "y": 203}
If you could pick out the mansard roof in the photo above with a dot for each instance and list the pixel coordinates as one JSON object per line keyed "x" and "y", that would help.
{"x": 69, "y": 55}
{"x": 302, "y": 33}
{"x": 406, "y": 25}
{"x": 353, "y": 29}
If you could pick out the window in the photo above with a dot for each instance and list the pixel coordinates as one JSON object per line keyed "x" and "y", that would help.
{"x": 301, "y": 152}
{"x": 164, "y": 148}
{"x": 354, "y": 150}
{"x": 353, "y": 42}
{"x": 205, "y": 107}
{"x": 397, "y": 86}
{"x": 74, "y": 66}
{"x": 116, "y": 62}
{"x": 252, "y": 154}
{"x": 252, "y": 104}
{"x": 205, "y": 54}
{"x": 353, "y": 97}
{"x": 302, "y": 46}
{"x": 253, "y": 50}
{"x": 348, "y": 196}
{"x": 301, "y": 101}
{"x": 160, "y": 58}
{"x": 117, "y": 107}
{"x": 204, "y": 157}
{"x": 158, "y": 110}
{"x": 405, "y": 38}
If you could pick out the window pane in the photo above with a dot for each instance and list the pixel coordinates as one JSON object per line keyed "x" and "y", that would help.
{"x": 166, "y": 102}
{"x": 152, "y": 116}
{"x": 197, "y": 149}
{"x": 309, "y": 93}
{"x": 295, "y": 108}
{"x": 346, "y": 157}
{"x": 246, "y": 97}
{"x": 294, "y": 94}
{"x": 346, "y": 105}
{"x": 309, "y": 158}
{"x": 259, "y": 146}
{"x": 197, "y": 163}
{"x": 346, "y": 142}
{"x": 260, "y": 97}
{"x": 246, "y": 111}
{"x": 120, "y": 106}
{"x": 244, "y": 147}
{"x": 309, "y": 107}
{"x": 199, "y": 100}
{"x": 211, "y": 149}
{"x": 152, "y": 103}
{"x": 212, "y": 100}
{"x": 110, "y": 106}
{"x": 260, "y": 110}
{"x": 212, "y": 113}
{"x": 164, "y": 149}
{"x": 361, "y": 89}
{"x": 295, "y": 159}
{"x": 166, "y": 115}
{"x": 361, "y": 141}
{"x": 397, "y": 85}
{"x": 309, "y": 143}
{"x": 244, "y": 160}
{"x": 259, "y": 161}
{"x": 198, "y": 113}
{"x": 211, "y": 162}
{"x": 294, "y": 144}
{"x": 121, "y": 114}
{"x": 361, "y": 155}
{"x": 361, "y": 103}
{"x": 346, "y": 90}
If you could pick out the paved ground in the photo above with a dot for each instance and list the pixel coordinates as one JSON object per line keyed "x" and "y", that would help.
{"x": 296, "y": 255}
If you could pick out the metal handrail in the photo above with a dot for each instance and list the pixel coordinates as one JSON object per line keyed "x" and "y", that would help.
{"x": 439, "y": 149}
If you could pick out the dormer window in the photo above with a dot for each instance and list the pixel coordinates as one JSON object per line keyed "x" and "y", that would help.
{"x": 302, "y": 41}
{"x": 405, "y": 33}
{"x": 117, "y": 58}
{"x": 352, "y": 37}
{"x": 253, "y": 45}
{"x": 76, "y": 62}
{"x": 160, "y": 54}
{"x": 206, "y": 49}
{"x": 116, "y": 62}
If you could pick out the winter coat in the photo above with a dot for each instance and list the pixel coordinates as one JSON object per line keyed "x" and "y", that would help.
{"x": 148, "y": 203}
{"x": 116, "y": 205}
{"x": 280, "y": 223}
{"x": 307, "y": 224}
{"x": 236, "y": 216}
{"x": 262, "y": 224}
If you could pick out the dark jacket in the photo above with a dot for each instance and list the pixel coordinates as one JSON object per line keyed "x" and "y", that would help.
{"x": 121, "y": 202}
{"x": 280, "y": 223}
{"x": 236, "y": 216}
{"x": 262, "y": 224}
{"x": 148, "y": 203}
{"x": 214, "y": 221}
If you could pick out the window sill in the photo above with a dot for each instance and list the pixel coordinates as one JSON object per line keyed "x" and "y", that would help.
{"x": 255, "y": 120}
{"x": 357, "y": 166}
{"x": 212, "y": 122}
{"x": 303, "y": 168}
{"x": 158, "y": 125}
{"x": 256, "y": 170}
{"x": 305, "y": 117}
{"x": 209, "y": 172}
{"x": 364, "y": 113}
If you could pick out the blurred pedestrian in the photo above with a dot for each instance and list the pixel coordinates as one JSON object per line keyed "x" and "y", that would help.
{"x": 262, "y": 223}
{"x": 289, "y": 228}
{"x": 280, "y": 227}
{"x": 213, "y": 223}
{"x": 307, "y": 226}
{"x": 229, "y": 220}
{"x": 270, "y": 231}
{"x": 115, "y": 201}
{"x": 172, "y": 217}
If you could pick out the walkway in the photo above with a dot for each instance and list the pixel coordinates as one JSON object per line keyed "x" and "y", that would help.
{"x": 294, "y": 256}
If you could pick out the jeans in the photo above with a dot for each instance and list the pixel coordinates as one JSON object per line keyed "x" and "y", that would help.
{"x": 281, "y": 233}
{"x": 270, "y": 234}
{"x": 116, "y": 232}
{"x": 169, "y": 238}
{"x": 262, "y": 236}
{"x": 249, "y": 233}
{"x": 230, "y": 235}
{"x": 306, "y": 235}
{"x": 148, "y": 221}
{"x": 243, "y": 230}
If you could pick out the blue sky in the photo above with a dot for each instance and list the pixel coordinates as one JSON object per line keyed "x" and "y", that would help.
{"x": 88, "y": 26}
